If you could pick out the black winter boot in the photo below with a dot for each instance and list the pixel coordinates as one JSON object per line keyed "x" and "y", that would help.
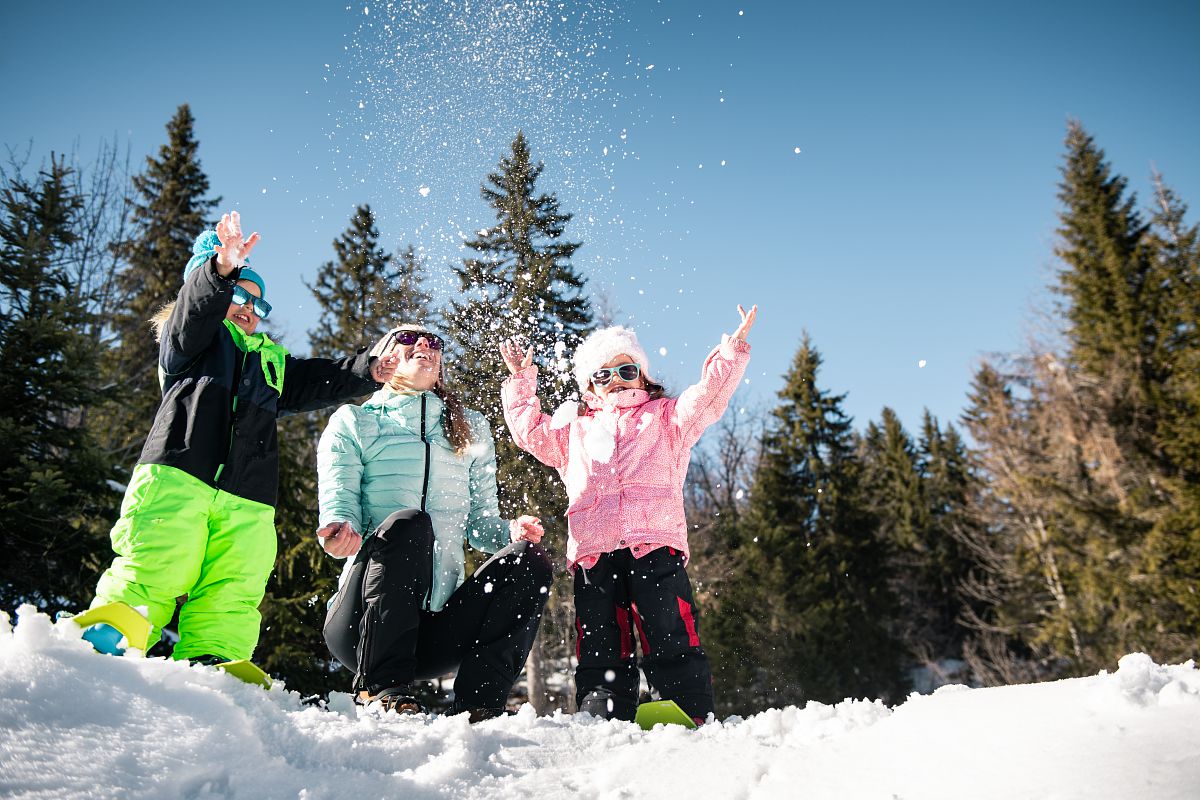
{"x": 483, "y": 714}
{"x": 397, "y": 698}
{"x": 606, "y": 705}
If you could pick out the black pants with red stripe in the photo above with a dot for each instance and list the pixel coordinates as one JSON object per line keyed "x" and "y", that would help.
{"x": 653, "y": 596}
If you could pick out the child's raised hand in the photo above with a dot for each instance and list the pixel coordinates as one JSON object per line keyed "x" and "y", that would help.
{"x": 234, "y": 249}
{"x": 510, "y": 351}
{"x": 747, "y": 322}
{"x": 383, "y": 368}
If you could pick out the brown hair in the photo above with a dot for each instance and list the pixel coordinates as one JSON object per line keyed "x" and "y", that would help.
{"x": 656, "y": 390}
{"x": 454, "y": 418}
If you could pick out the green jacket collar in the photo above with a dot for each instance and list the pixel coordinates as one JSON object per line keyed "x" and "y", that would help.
{"x": 269, "y": 354}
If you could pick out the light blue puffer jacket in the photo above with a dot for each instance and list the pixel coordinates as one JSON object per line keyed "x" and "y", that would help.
{"x": 371, "y": 462}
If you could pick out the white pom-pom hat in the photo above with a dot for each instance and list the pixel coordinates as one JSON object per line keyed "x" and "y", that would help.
{"x": 601, "y": 347}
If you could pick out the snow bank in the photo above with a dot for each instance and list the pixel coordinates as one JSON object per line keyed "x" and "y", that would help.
{"x": 74, "y": 724}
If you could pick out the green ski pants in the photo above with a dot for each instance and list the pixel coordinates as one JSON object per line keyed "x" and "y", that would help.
{"x": 178, "y": 536}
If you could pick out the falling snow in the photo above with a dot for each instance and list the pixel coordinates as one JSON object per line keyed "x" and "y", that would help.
{"x": 437, "y": 89}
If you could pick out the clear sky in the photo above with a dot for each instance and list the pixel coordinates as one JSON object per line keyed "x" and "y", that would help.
{"x": 915, "y": 223}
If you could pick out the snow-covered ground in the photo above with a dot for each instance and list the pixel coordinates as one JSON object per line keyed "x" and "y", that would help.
{"x": 77, "y": 724}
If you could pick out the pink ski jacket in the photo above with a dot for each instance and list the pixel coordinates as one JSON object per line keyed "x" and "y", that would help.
{"x": 624, "y": 464}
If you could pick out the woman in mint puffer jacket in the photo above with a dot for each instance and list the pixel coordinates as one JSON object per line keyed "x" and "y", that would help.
{"x": 419, "y": 470}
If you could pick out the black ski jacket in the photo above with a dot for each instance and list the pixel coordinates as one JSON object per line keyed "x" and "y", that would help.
{"x": 217, "y": 418}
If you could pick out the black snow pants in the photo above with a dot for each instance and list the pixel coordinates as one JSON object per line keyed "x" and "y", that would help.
{"x": 484, "y": 631}
{"x": 653, "y": 595}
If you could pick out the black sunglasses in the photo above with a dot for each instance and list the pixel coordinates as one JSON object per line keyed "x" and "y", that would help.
{"x": 411, "y": 337}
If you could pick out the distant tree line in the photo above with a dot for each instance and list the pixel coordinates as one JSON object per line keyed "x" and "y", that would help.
{"x": 1064, "y": 534}
{"x": 1060, "y": 533}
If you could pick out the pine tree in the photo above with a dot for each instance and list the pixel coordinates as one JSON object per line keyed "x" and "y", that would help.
{"x": 1107, "y": 280}
{"x": 1176, "y": 253}
{"x": 1126, "y": 285}
{"x": 894, "y": 482}
{"x": 521, "y": 283}
{"x": 1172, "y": 554}
{"x": 53, "y": 494}
{"x": 948, "y": 562}
{"x": 361, "y": 294}
{"x": 409, "y": 302}
{"x": 918, "y": 493}
{"x": 818, "y": 610}
{"x": 895, "y": 495}
{"x": 170, "y": 209}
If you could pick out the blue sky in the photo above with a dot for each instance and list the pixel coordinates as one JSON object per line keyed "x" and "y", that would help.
{"x": 916, "y": 222}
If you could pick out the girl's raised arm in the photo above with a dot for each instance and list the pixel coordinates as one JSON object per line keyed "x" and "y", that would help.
{"x": 530, "y": 428}
{"x": 703, "y": 403}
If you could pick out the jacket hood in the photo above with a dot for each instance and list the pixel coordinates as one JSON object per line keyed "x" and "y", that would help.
{"x": 388, "y": 399}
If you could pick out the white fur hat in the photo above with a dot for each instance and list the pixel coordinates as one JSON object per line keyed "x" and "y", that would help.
{"x": 601, "y": 347}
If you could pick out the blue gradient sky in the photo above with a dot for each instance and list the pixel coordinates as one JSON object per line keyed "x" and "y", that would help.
{"x": 916, "y": 223}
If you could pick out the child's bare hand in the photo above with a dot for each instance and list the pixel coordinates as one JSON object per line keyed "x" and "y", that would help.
{"x": 234, "y": 249}
{"x": 747, "y": 322}
{"x": 510, "y": 351}
{"x": 382, "y": 369}
{"x": 526, "y": 527}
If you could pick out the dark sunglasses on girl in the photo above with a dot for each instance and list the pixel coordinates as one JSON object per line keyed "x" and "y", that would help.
{"x": 261, "y": 307}
{"x": 411, "y": 337}
{"x": 626, "y": 372}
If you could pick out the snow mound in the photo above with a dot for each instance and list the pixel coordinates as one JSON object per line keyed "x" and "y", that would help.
{"x": 74, "y": 724}
{"x": 1142, "y": 682}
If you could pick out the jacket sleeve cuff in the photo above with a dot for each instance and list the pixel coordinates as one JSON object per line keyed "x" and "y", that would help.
{"x": 530, "y": 373}
{"x": 520, "y": 385}
{"x": 361, "y": 368}
{"x": 731, "y": 348}
{"x": 215, "y": 279}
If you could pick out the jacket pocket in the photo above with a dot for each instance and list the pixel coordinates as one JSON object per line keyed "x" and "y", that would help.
{"x": 592, "y": 513}
{"x": 585, "y": 502}
{"x": 654, "y": 508}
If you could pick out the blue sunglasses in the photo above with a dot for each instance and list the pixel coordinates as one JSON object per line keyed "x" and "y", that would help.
{"x": 626, "y": 372}
{"x": 262, "y": 308}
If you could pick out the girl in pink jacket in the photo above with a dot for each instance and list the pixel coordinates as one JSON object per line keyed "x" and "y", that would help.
{"x": 623, "y": 460}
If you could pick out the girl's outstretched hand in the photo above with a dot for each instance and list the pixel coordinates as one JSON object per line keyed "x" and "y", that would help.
{"x": 510, "y": 351}
{"x": 747, "y": 322}
{"x": 234, "y": 248}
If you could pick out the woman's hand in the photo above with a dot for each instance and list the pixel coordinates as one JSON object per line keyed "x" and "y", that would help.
{"x": 510, "y": 351}
{"x": 339, "y": 539}
{"x": 234, "y": 249}
{"x": 747, "y": 322}
{"x": 526, "y": 527}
